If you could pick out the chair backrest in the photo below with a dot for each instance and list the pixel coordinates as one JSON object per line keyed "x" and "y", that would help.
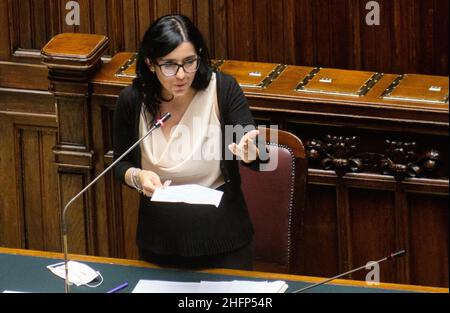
{"x": 276, "y": 200}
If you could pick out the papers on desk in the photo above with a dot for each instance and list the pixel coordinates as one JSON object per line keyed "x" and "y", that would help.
{"x": 14, "y": 291}
{"x": 236, "y": 286}
{"x": 192, "y": 194}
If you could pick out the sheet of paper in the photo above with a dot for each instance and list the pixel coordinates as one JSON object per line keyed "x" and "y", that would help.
{"x": 14, "y": 291}
{"x": 159, "y": 286}
{"x": 192, "y": 194}
{"x": 239, "y": 286}
{"x": 236, "y": 286}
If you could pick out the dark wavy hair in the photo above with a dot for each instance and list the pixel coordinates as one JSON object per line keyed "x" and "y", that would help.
{"x": 161, "y": 38}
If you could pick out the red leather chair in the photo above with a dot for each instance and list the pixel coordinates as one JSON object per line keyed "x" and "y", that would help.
{"x": 276, "y": 200}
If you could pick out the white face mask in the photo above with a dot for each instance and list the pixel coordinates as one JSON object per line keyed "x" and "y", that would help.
{"x": 79, "y": 273}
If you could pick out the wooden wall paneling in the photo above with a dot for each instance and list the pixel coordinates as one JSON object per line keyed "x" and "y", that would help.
{"x": 289, "y": 33}
{"x": 28, "y": 194}
{"x": 17, "y": 102}
{"x": 355, "y": 19}
{"x": 426, "y": 32}
{"x": 31, "y": 192}
{"x": 99, "y": 17}
{"x": 11, "y": 218}
{"x": 38, "y": 186}
{"x": 402, "y": 10}
{"x": 49, "y": 181}
{"x": 73, "y": 117}
{"x": 380, "y": 57}
{"x": 340, "y": 23}
{"x": 323, "y": 35}
{"x": 412, "y": 36}
{"x": 53, "y": 19}
{"x": 5, "y": 47}
{"x": 320, "y": 222}
{"x": 163, "y": 7}
{"x": 87, "y": 17}
{"x": 304, "y": 33}
{"x": 103, "y": 204}
{"x": 129, "y": 207}
{"x": 23, "y": 14}
{"x": 130, "y": 25}
{"x": 384, "y": 217}
{"x": 188, "y": 8}
{"x": 377, "y": 41}
{"x": 219, "y": 30}
{"x": 39, "y": 17}
{"x": 429, "y": 239}
{"x": 23, "y": 76}
{"x": 373, "y": 230}
{"x": 203, "y": 19}
{"x": 264, "y": 25}
{"x": 440, "y": 43}
{"x": 402, "y": 233}
{"x": 29, "y": 117}
{"x": 145, "y": 17}
{"x": 14, "y": 27}
{"x": 79, "y": 215}
{"x": 343, "y": 232}
{"x": 115, "y": 26}
{"x": 429, "y": 21}
{"x": 240, "y": 29}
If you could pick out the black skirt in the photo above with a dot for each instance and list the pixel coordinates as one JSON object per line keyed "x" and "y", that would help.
{"x": 190, "y": 230}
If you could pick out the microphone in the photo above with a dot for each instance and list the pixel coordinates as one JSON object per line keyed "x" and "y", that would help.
{"x": 392, "y": 256}
{"x": 158, "y": 123}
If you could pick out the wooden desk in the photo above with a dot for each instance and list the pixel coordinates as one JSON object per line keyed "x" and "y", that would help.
{"x": 28, "y": 277}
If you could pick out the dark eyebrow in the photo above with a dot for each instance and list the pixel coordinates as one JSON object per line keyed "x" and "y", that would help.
{"x": 174, "y": 61}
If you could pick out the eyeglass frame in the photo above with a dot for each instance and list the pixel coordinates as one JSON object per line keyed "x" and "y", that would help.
{"x": 197, "y": 59}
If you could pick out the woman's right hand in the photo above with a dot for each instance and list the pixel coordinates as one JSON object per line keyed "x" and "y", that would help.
{"x": 150, "y": 181}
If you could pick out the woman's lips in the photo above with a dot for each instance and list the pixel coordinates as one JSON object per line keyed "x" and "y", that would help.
{"x": 180, "y": 86}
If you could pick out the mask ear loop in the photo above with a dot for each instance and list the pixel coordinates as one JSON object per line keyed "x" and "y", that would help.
{"x": 96, "y": 285}
{"x": 54, "y": 265}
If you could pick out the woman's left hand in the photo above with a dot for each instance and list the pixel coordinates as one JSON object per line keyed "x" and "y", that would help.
{"x": 246, "y": 149}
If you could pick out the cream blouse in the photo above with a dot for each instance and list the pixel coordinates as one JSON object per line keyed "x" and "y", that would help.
{"x": 192, "y": 153}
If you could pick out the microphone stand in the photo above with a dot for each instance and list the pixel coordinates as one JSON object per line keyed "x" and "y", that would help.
{"x": 159, "y": 122}
{"x": 388, "y": 258}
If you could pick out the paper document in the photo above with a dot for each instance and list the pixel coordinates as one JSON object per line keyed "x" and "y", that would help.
{"x": 14, "y": 291}
{"x": 236, "y": 286}
{"x": 192, "y": 194}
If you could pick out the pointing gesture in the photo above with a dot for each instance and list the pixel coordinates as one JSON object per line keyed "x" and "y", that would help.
{"x": 246, "y": 150}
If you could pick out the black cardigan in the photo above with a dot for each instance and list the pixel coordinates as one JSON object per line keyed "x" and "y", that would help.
{"x": 183, "y": 229}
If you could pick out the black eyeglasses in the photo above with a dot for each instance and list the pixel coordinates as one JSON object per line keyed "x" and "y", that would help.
{"x": 171, "y": 69}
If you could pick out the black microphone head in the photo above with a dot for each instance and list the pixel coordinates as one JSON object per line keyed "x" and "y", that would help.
{"x": 160, "y": 122}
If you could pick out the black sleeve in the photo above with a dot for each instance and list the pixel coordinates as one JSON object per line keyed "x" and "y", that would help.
{"x": 123, "y": 132}
{"x": 237, "y": 112}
